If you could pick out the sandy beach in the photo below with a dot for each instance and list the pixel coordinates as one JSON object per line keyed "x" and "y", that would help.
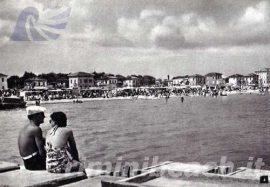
{"x": 130, "y": 97}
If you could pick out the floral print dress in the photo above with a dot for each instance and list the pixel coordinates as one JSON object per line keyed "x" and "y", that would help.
{"x": 58, "y": 159}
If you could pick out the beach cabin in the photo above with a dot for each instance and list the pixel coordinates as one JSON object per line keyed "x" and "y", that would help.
{"x": 81, "y": 80}
{"x": 264, "y": 76}
{"x": 3, "y": 81}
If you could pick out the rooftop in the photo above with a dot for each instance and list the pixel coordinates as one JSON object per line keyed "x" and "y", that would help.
{"x": 251, "y": 75}
{"x": 196, "y": 75}
{"x": 213, "y": 74}
{"x": 35, "y": 79}
{"x": 264, "y": 69}
{"x": 107, "y": 78}
{"x": 181, "y": 77}
{"x": 2, "y": 75}
{"x": 235, "y": 75}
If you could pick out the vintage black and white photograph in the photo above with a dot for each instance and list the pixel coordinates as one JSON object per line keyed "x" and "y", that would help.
{"x": 138, "y": 93}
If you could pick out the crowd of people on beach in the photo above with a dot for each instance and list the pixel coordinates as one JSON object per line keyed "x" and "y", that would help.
{"x": 9, "y": 92}
{"x": 149, "y": 92}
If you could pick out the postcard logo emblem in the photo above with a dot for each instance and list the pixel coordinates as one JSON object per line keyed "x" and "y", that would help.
{"x": 30, "y": 27}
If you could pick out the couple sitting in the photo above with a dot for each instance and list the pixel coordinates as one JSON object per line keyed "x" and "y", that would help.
{"x": 61, "y": 155}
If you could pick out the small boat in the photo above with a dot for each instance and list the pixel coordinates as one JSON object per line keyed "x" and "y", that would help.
{"x": 223, "y": 94}
{"x": 12, "y": 102}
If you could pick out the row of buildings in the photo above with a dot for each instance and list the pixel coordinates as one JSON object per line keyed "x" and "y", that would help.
{"x": 260, "y": 78}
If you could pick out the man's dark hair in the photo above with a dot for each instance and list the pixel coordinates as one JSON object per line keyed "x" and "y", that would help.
{"x": 59, "y": 118}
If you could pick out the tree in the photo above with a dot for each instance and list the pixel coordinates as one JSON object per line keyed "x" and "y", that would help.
{"x": 98, "y": 75}
{"x": 27, "y": 75}
{"x": 55, "y": 79}
{"x": 13, "y": 81}
{"x": 148, "y": 80}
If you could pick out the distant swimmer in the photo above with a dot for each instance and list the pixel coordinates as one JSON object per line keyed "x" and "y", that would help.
{"x": 182, "y": 99}
{"x": 167, "y": 96}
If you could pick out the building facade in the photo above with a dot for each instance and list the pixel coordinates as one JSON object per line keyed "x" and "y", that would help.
{"x": 236, "y": 80}
{"x": 264, "y": 76}
{"x": 35, "y": 83}
{"x": 81, "y": 80}
{"x": 251, "y": 79}
{"x": 167, "y": 83}
{"x": 110, "y": 82}
{"x": 196, "y": 80}
{"x": 213, "y": 80}
{"x": 180, "y": 81}
{"x": 131, "y": 81}
{"x": 3, "y": 81}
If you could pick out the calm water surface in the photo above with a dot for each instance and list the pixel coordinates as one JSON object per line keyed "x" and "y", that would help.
{"x": 200, "y": 129}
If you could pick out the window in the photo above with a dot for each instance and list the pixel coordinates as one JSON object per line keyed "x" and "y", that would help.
{"x": 85, "y": 80}
{"x": 3, "y": 79}
{"x": 80, "y": 80}
{"x": 3, "y": 87}
{"x": 90, "y": 80}
{"x": 71, "y": 81}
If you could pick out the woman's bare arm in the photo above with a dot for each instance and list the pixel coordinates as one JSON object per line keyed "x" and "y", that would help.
{"x": 73, "y": 147}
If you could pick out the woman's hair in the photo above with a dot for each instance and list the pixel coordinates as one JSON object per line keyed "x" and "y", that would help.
{"x": 59, "y": 118}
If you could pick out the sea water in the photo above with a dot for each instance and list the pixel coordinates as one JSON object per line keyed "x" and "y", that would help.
{"x": 201, "y": 129}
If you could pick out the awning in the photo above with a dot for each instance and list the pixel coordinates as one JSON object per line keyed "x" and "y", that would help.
{"x": 196, "y": 86}
{"x": 40, "y": 88}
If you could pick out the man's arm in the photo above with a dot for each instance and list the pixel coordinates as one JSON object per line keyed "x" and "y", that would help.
{"x": 40, "y": 142}
{"x": 72, "y": 145}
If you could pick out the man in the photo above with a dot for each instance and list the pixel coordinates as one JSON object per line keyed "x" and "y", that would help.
{"x": 30, "y": 141}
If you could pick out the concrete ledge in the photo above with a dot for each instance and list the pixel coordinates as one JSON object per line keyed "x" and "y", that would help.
{"x": 93, "y": 173}
{"x": 6, "y": 166}
{"x": 181, "y": 174}
{"x": 93, "y": 182}
{"x": 23, "y": 178}
{"x": 251, "y": 174}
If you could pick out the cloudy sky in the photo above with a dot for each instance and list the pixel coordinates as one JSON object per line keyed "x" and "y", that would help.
{"x": 147, "y": 37}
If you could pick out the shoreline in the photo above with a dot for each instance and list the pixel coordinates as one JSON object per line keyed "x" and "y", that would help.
{"x": 91, "y": 99}
{"x": 131, "y": 98}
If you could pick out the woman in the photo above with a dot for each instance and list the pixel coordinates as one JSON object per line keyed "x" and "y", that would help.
{"x": 62, "y": 154}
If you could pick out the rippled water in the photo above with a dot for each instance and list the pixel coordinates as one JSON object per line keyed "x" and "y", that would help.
{"x": 200, "y": 129}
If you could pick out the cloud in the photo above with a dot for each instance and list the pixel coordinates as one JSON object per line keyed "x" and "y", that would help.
{"x": 167, "y": 37}
{"x": 146, "y": 14}
{"x": 256, "y": 15}
{"x": 132, "y": 31}
{"x": 168, "y": 24}
{"x": 50, "y": 4}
